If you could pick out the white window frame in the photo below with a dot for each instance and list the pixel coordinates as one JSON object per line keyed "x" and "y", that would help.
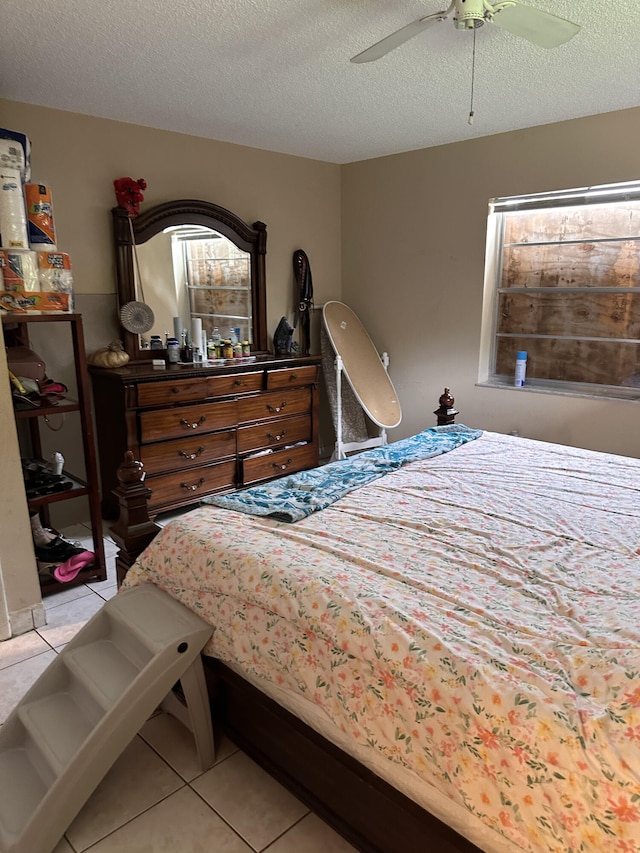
{"x": 498, "y": 209}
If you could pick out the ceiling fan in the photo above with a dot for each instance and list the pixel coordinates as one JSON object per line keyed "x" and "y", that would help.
{"x": 540, "y": 28}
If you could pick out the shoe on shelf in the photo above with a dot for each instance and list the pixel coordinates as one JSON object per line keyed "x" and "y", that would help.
{"x": 66, "y": 571}
{"x": 41, "y": 491}
{"x": 58, "y": 550}
{"x": 70, "y": 569}
{"x": 46, "y": 570}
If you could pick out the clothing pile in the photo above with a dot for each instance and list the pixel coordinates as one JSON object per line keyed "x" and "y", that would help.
{"x": 31, "y": 388}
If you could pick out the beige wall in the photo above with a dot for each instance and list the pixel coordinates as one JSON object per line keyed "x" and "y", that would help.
{"x": 413, "y": 235}
{"x": 80, "y": 156}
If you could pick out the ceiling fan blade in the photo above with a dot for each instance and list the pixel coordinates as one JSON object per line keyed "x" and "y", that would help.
{"x": 541, "y": 28}
{"x": 382, "y": 47}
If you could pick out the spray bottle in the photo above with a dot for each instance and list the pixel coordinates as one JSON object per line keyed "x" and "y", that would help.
{"x": 521, "y": 368}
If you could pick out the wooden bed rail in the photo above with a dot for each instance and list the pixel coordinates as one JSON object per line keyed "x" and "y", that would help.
{"x": 134, "y": 529}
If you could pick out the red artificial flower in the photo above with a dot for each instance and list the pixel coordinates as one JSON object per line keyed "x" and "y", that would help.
{"x": 129, "y": 194}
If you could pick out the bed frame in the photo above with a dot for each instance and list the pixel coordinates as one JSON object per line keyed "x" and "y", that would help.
{"x": 372, "y": 815}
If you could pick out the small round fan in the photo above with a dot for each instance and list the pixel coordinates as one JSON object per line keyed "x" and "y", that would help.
{"x": 136, "y": 317}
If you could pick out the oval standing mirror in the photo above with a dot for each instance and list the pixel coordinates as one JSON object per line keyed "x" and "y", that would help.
{"x": 191, "y": 259}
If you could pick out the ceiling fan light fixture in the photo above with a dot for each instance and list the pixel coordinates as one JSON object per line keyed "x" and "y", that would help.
{"x": 468, "y": 23}
{"x": 469, "y": 14}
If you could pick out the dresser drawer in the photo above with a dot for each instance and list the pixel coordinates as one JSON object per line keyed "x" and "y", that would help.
{"x": 279, "y": 463}
{"x": 188, "y": 390}
{"x": 237, "y": 383}
{"x": 275, "y": 404}
{"x": 191, "y": 485}
{"x": 274, "y": 433}
{"x": 292, "y": 376}
{"x": 187, "y": 420}
{"x": 176, "y": 391}
{"x": 188, "y": 452}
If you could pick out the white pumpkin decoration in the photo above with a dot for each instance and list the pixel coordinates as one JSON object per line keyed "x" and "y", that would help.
{"x": 109, "y": 356}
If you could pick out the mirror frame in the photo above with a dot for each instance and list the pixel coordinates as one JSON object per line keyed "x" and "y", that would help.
{"x": 251, "y": 239}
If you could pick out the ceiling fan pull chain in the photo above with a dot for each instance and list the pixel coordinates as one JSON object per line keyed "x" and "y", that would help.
{"x": 473, "y": 76}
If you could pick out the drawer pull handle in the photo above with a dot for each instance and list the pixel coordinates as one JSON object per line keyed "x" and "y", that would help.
{"x": 193, "y": 486}
{"x": 293, "y": 377}
{"x": 282, "y": 467}
{"x": 278, "y": 437}
{"x": 175, "y": 390}
{"x": 238, "y": 382}
{"x": 192, "y": 426}
{"x": 276, "y": 409}
{"x": 191, "y": 455}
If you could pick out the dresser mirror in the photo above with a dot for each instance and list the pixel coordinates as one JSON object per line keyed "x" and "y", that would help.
{"x": 192, "y": 259}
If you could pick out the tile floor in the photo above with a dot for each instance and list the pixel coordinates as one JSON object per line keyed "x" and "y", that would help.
{"x": 155, "y": 799}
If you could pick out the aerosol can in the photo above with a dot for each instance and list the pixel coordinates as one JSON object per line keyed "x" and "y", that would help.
{"x": 56, "y": 462}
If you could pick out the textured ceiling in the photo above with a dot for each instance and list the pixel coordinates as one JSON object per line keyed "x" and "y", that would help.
{"x": 275, "y": 74}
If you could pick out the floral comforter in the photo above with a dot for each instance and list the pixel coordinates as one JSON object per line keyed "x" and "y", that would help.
{"x": 473, "y": 617}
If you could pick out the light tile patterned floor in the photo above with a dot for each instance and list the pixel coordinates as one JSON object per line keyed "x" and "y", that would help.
{"x": 155, "y": 799}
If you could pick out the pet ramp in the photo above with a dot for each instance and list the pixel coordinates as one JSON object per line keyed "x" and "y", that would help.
{"x": 76, "y": 720}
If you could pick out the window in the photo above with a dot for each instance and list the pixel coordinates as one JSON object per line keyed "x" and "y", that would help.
{"x": 563, "y": 283}
{"x": 217, "y": 274}
{"x": 219, "y": 284}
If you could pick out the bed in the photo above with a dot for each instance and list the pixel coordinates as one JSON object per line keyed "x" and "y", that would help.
{"x": 444, "y": 658}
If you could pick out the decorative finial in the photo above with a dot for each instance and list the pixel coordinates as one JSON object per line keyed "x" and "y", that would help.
{"x": 446, "y": 413}
{"x": 130, "y": 471}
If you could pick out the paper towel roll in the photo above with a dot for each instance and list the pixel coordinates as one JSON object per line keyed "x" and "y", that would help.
{"x": 13, "y": 220}
{"x": 178, "y": 328}
{"x": 196, "y": 332}
{"x": 54, "y": 274}
{"x": 19, "y": 269}
{"x": 42, "y": 232}
{"x": 15, "y": 152}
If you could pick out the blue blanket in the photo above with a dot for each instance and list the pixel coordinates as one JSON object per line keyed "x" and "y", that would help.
{"x": 297, "y": 496}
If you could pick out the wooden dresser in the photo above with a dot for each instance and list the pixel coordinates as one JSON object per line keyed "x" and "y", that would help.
{"x": 199, "y": 430}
